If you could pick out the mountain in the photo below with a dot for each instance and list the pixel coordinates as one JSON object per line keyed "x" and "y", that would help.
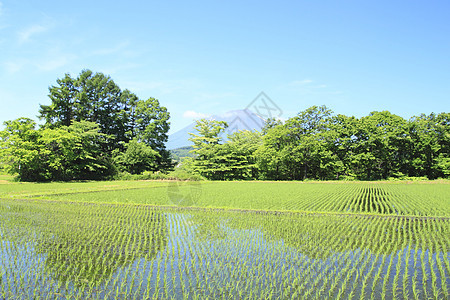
{"x": 180, "y": 153}
{"x": 243, "y": 119}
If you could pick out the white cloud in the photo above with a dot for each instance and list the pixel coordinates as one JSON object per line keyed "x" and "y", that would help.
{"x": 26, "y": 34}
{"x": 194, "y": 115}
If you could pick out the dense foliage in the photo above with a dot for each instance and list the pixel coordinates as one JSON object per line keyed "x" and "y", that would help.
{"x": 315, "y": 144}
{"x": 180, "y": 153}
{"x": 92, "y": 130}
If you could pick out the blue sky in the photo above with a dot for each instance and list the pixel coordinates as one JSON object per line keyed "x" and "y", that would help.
{"x": 208, "y": 57}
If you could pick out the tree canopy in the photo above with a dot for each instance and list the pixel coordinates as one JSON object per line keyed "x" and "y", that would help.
{"x": 64, "y": 153}
{"x": 316, "y": 144}
{"x": 121, "y": 115}
{"x": 92, "y": 129}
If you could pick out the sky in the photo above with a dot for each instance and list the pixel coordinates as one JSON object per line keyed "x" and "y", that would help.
{"x": 202, "y": 58}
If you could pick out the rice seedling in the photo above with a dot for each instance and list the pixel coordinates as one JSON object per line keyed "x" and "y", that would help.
{"x": 333, "y": 240}
{"x": 403, "y": 199}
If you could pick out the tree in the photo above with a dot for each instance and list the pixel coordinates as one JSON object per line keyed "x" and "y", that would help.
{"x": 274, "y": 158}
{"x": 381, "y": 137}
{"x": 64, "y": 153}
{"x": 430, "y": 145}
{"x": 137, "y": 158}
{"x": 344, "y": 144}
{"x": 120, "y": 115}
{"x": 89, "y": 160}
{"x": 150, "y": 124}
{"x": 210, "y": 160}
{"x": 90, "y": 97}
{"x": 299, "y": 148}
{"x": 63, "y": 110}
{"x": 240, "y": 148}
{"x": 20, "y": 146}
{"x": 443, "y": 139}
{"x": 317, "y": 145}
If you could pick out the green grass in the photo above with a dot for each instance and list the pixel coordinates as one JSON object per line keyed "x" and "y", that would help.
{"x": 4, "y": 178}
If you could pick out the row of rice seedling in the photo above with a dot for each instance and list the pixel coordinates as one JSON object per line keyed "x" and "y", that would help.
{"x": 69, "y": 250}
{"x": 360, "y": 198}
{"x": 28, "y": 189}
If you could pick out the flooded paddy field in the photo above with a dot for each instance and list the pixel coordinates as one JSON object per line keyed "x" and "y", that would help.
{"x": 92, "y": 250}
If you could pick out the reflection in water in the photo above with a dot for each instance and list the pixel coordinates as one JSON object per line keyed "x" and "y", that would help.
{"x": 93, "y": 243}
{"x": 80, "y": 247}
{"x": 107, "y": 251}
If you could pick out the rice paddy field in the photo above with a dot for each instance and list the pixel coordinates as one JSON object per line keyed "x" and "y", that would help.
{"x": 225, "y": 240}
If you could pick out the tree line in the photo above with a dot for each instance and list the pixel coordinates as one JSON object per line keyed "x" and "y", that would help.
{"x": 317, "y": 144}
{"x": 92, "y": 130}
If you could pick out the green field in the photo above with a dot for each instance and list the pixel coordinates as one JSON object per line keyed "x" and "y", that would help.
{"x": 238, "y": 240}
{"x": 374, "y": 198}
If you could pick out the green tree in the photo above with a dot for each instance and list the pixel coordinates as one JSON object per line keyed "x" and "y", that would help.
{"x": 317, "y": 145}
{"x": 137, "y": 158}
{"x": 20, "y": 149}
{"x": 344, "y": 144}
{"x": 89, "y": 161}
{"x": 274, "y": 158}
{"x": 443, "y": 139}
{"x": 299, "y": 148}
{"x": 240, "y": 149}
{"x": 381, "y": 137}
{"x": 309, "y": 141}
{"x": 150, "y": 124}
{"x": 63, "y": 110}
{"x": 90, "y": 97}
{"x": 121, "y": 115}
{"x": 430, "y": 145}
{"x": 210, "y": 160}
{"x": 64, "y": 153}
